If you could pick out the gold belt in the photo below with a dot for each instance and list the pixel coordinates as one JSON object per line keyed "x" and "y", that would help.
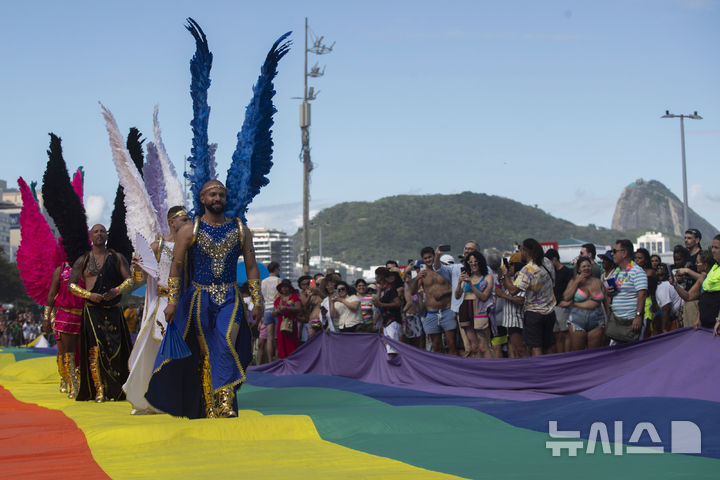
{"x": 217, "y": 291}
{"x": 163, "y": 291}
{"x": 72, "y": 311}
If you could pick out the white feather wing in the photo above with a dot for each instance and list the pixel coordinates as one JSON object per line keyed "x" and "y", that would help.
{"x": 173, "y": 188}
{"x": 141, "y": 216}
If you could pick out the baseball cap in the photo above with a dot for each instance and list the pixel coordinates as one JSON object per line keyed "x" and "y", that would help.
{"x": 516, "y": 258}
{"x": 447, "y": 259}
{"x": 606, "y": 256}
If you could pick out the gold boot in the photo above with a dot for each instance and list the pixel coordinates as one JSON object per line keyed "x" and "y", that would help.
{"x": 73, "y": 377}
{"x": 226, "y": 397}
{"x": 207, "y": 386}
{"x": 63, "y": 373}
{"x": 95, "y": 373}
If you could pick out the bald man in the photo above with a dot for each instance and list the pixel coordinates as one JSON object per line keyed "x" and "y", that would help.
{"x": 104, "y": 338}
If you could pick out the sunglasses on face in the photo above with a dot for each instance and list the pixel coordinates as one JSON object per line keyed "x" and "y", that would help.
{"x": 341, "y": 289}
{"x": 616, "y": 250}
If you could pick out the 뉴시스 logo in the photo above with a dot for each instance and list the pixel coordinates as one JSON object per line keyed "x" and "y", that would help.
{"x": 685, "y": 437}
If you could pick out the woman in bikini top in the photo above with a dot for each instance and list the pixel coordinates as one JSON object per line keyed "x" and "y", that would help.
{"x": 584, "y": 291}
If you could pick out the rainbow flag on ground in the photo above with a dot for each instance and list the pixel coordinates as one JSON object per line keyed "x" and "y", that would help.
{"x": 339, "y": 407}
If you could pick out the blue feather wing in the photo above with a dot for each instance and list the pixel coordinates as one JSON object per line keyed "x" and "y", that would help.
{"x": 200, "y": 157}
{"x": 252, "y": 159}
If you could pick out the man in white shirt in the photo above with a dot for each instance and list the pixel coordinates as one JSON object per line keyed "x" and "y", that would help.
{"x": 266, "y": 339}
{"x": 667, "y": 298}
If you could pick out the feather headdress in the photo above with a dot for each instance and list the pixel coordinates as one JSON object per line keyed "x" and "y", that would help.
{"x": 252, "y": 159}
{"x": 141, "y": 216}
{"x": 118, "y": 238}
{"x": 173, "y": 187}
{"x": 63, "y": 204}
{"x": 155, "y": 186}
{"x": 78, "y": 183}
{"x": 199, "y": 160}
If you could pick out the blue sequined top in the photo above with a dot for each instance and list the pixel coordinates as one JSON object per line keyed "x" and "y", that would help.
{"x": 215, "y": 254}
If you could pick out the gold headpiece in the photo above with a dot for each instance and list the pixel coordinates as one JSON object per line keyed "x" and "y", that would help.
{"x": 213, "y": 186}
{"x": 179, "y": 213}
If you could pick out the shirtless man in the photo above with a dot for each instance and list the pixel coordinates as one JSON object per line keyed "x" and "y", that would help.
{"x": 105, "y": 340}
{"x": 439, "y": 317}
{"x": 311, "y": 300}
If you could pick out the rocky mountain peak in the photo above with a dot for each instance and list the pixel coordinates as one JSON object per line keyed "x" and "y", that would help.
{"x": 650, "y": 205}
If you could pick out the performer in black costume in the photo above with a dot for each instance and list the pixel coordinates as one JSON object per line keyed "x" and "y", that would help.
{"x": 105, "y": 340}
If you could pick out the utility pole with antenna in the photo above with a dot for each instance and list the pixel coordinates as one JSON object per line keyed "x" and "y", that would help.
{"x": 309, "y": 94}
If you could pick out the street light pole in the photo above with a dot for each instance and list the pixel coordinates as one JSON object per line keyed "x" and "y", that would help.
{"x": 309, "y": 94}
{"x": 320, "y": 246}
{"x": 682, "y": 117}
{"x": 307, "y": 164}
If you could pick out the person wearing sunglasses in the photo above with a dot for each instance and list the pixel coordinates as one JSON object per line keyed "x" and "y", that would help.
{"x": 346, "y": 308}
{"x": 628, "y": 288}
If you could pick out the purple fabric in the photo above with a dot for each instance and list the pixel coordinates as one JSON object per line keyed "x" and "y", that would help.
{"x": 684, "y": 363}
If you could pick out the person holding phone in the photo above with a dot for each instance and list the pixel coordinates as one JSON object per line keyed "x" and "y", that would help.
{"x": 706, "y": 289}
{"x": 627, "y": 293}
{"x": 475, "y": 286}
{"x": 536, "y": 279}
{"x": 668, "y": 300}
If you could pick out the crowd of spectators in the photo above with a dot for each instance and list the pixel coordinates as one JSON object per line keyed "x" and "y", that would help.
{"x": 18, "y": 328}
{"x": 526, "y": 304}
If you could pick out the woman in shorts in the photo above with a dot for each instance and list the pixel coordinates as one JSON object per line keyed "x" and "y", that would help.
{"x": 476, "y": 286}
{"x": 584, "y": 294}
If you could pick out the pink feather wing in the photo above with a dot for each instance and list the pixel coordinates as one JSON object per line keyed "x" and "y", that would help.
{"x": 77, "y": 183}
{"x": 39, "y": 253}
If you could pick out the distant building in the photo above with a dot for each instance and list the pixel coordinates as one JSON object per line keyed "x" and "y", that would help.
{"x": 274, "y": 246}
{"x": 10, "y": 206}
{"x": 5, "y": 224}
{"x": 569, "y": 249}
{"x": 348, "y": 272}
{"x": 657, "y": 244}
{"x": 653, "y": 242}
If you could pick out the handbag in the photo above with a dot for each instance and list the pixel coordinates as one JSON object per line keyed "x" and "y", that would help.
{"x": 287, "y": 325}
{"x": 620, "y": 329}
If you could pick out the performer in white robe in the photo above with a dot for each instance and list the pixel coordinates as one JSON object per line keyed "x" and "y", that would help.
{"x": 153, "y": 325}
{"x": 147, "y": 198}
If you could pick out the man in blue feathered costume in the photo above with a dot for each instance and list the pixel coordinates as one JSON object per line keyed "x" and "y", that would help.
{"x": 210, "y": 312}
{"x": 205, "y": 304}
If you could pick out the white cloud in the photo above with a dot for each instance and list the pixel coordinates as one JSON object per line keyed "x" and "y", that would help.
{"x": 285, "y": 216}
{"x": 94, "y": 208}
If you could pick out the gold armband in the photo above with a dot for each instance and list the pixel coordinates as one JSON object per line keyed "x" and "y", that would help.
{"x": 173, "y": 290}
{"x": 127, "y": 286}
{"x": 47, "y": 313}
{"x": 256, "y": 292}
{"x": 78, "y": 291}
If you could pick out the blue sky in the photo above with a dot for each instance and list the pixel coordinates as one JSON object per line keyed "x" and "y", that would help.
{"x": 554, "y": 103}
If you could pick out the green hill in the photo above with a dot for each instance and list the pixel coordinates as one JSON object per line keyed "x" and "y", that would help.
{"x": 368, "y": 233}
